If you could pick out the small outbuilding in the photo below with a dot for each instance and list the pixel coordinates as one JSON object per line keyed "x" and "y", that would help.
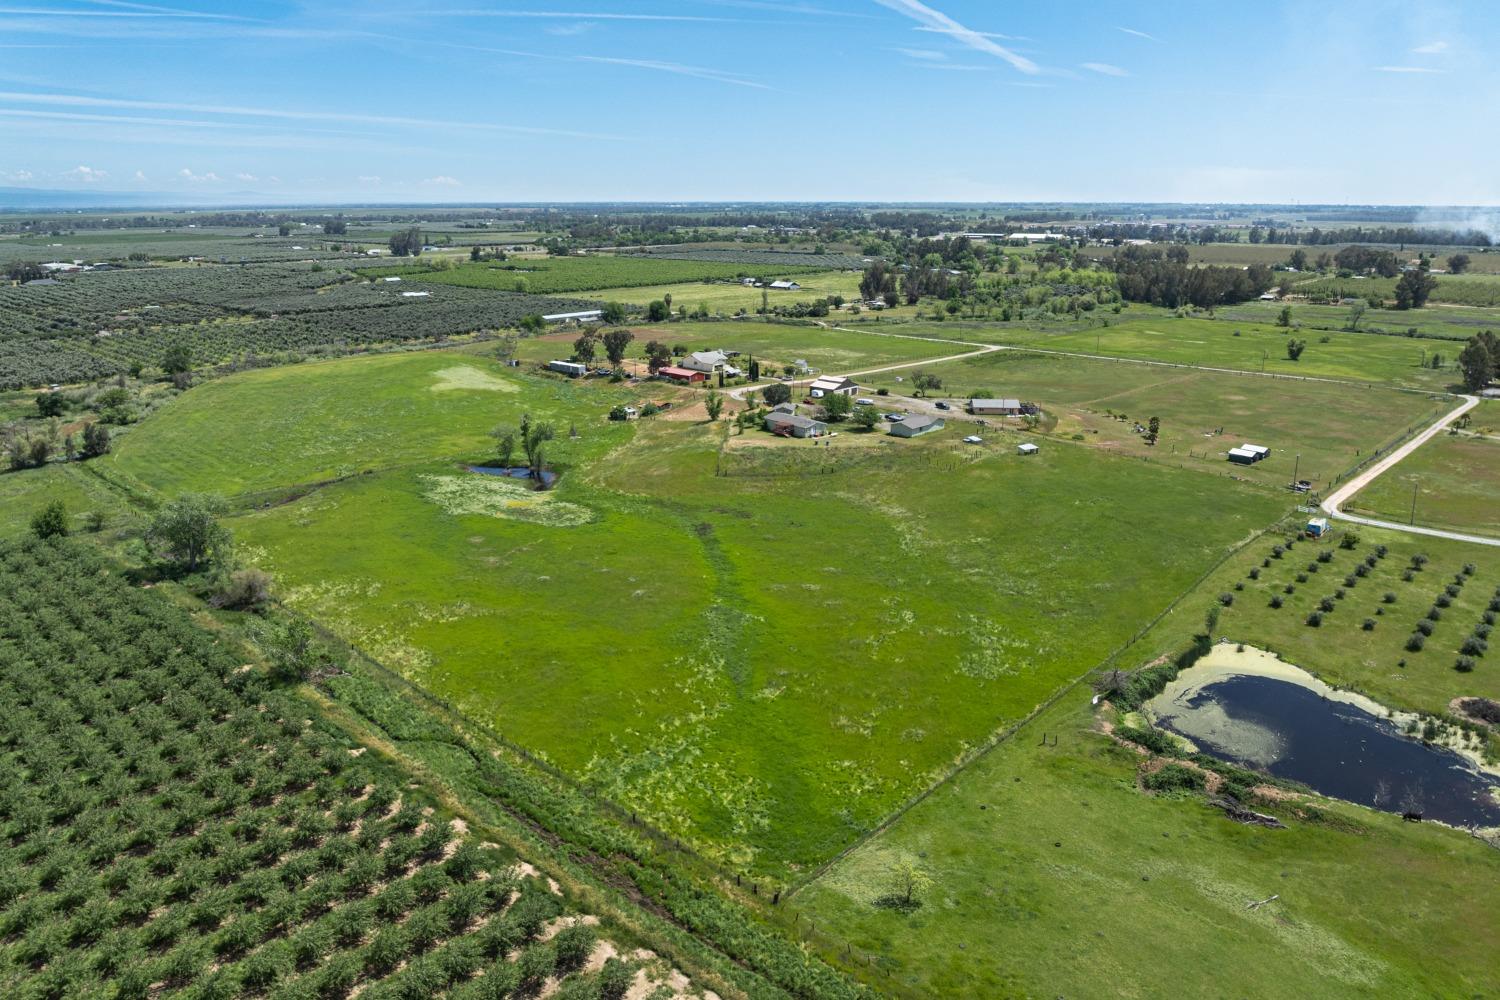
{"x": 997, "y": 407}
{"x": 832, "y": 385}
{"x": 586, "y": 316}
{"x": 785, "y": 286}
{"x": 1242, "y": 456}
{"x": 1317, "y": 527}
{"x": 1027, "y": 448}
{"x": 684, "y": 376}
{"x": 1259, "y": 451}
{"x": 572, "y": 369}
{"x": 916, "y": 425}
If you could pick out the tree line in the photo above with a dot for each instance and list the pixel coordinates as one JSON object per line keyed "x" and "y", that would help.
{"x": 1164, "y": 278}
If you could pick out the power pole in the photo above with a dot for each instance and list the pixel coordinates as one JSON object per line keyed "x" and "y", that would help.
{"x": 1413, "y": 502}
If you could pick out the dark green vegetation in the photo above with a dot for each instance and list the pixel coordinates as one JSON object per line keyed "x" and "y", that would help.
{"x": 169, "y": 819}
{"x": 100, "y": 324}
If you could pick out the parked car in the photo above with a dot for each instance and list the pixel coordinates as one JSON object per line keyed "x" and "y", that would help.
{"x": 862, "y": 401}
{"x": 942, "y": 406}
{"x": 895, "y": 418}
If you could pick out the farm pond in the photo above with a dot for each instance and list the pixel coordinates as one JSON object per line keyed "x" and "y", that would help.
{"x": 1247, "y": 707}
{"x": 548, "y": 480}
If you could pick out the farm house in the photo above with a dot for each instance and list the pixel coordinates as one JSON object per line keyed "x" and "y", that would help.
{"x": 832, "y": 385}
{"x": 785, "y": 286}
{"x": 707, "y": 362}
{"x": 791, "y": 424}
{"x": 916, "y": 425}
{"x": 685, "y": 376}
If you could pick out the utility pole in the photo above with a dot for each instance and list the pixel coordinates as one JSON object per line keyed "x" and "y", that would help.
{"x": 1413, "y": 502}
{"x": 1295, "y": 467}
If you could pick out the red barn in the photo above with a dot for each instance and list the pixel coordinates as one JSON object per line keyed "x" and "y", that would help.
{"x": 684, "y": 375}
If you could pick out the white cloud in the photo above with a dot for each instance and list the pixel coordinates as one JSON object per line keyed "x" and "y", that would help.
{"x": 1105, "y": 68}
{"x": 251, "y": 178}
{"x": 1139, "y": 34}
{"x": 1431, "y": 49}
{"x": 1406, "y": 69}
{"x": 573, "y": 28}
{"x": 936, "y": 20}
{"x": 368, "y": 180}
{"x": 17, "y": 176}
{"x": 87, "y": 175}
{"x": 140, "y": 176}
{"x": 699, "y": 72}
{"x": 442, "y": 181}
{"x": 193, "y": 178}
{"x": 927, "y": 55}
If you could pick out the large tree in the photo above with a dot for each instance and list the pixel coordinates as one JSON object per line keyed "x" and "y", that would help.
{"x": 583, "y": 347}
{"x": 407, "y": 243}
{"x": 1458, "y": 263}
{"x": 777, "y": 393}
{"x": 1479, "y": 361}
{"x": 186, "y": 531}
{"x": 615, "y": 343}
{"x": 1413, "y": 289}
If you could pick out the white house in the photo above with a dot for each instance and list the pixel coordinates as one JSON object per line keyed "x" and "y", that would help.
{"x": 707, "y": 362}
{"x": 832, "y": 385}
{"x": 917, "y": 423}
{"x": 785, "y": 286}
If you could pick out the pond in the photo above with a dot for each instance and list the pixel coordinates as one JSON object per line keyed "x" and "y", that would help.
{"x": 549, "y": 478}
{"x": 1252, "y": 709}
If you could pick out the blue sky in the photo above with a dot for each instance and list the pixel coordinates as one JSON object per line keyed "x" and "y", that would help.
{"x": 566, "y": 100}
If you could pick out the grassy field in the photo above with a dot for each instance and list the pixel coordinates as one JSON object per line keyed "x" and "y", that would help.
{"x": 1456, "y": 478}
{"x": 316, "y": 422}
{"x": 1452, "y": 289}
{"x": 1256, "y": 348}
{"x": 1331, "y": 426}
{"x": 773, "y": 343}
{"x": 1054, "y": 876}
{"x": 25, "y": 492}
{"x": 679, "y": 621}
{"x": 1452, "y": 323}
{"x": 731, "y": 297}
{"x": 553, "y": 275}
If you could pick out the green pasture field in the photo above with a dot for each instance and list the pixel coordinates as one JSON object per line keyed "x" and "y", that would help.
{"x": 25, "y": 492}
{"x": 1253, "y": 348}
{"x": 1456, "y": 478}
{"x": 283, "y": 427}
{"x": 1053, "y": 875}
{"x": 765, "y": 665}
{"x": 1435, "y": 322}
{"x": 552, "y": 275}
{"x": 1330, "y": 425}
{"x": 1340, "y": 650}
{"x": 731, "y": 297}
{"x": 825, "y": 349}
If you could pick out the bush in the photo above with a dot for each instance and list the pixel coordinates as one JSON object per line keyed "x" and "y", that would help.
{"x": 50, "y": 521}
{"x": 1276, "y": 601}
{"x": 1277, "y": 551}
{"x": 1489, "y": 617}
{"x": 245, "y": 589}
{"x": 1474, "y": 646}
{"x": 1226, "y": 599}
{"x": 1408, "y": 576}
{"x": 1325, "y": 556}
{"x": 1153, "y": 739}
{"x": 1415, "y": 642}
{"x": 1326, "y": 604}
{"x": 1339, "y": 595}
{"x": 1425, "y": 627}
{"x": 1442, "y": 601}
{"x": 1361, "y": 571}
{"x": 1418, "y": 561}
{"x": 1301, "y": 577}
{"x": 1290, "y": 588}
{"x": 1254, "y": 573}
{"x": 1389, "y": 598}
{"x": 1173, "y": 778}
{"x": 1434, "y": 614}
{"x": 1453, "y": 590}
{"x": 1483, "y": 631}
{"x": 1470, "y": 569}
{"x": 1464, "y": 664}
{"x": 1369, "y": 625}
{"x": 1312, "y": 567}
{"x": 573, "y": 945}
{"x": 1315, "y": 619}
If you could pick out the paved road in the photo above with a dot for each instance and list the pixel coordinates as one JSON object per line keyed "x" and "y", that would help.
{"x": 1335, "y": 501}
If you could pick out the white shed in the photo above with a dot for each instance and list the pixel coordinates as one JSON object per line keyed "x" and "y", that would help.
{"x": 1027, "y": 449}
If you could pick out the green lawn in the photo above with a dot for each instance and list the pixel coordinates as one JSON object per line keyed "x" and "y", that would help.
{"x": 1054, "y": 876}
{"x": 23, "y": 493}
{"x": 1454, "y": 480}
{"x": 765, "y": 665}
